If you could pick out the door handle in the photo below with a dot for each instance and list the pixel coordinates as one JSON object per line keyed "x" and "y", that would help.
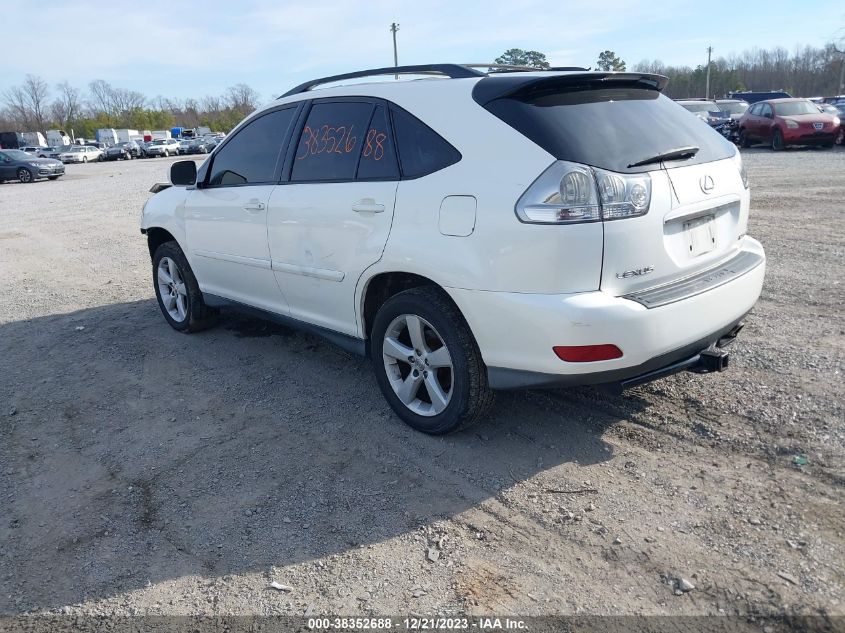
{"x": 254, "y": 205}
{"x": 367, "y": 205}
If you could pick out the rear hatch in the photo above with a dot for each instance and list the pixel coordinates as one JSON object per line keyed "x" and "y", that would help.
{"x": 622, "y": 124}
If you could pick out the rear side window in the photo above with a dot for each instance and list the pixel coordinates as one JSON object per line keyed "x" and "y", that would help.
{"x": 251, "y": 156}
{"x": 421, "y": 149}
{"x": 609, "y": 128}
{"x": 378, "y": 156}
{"x": 331, "y": 141}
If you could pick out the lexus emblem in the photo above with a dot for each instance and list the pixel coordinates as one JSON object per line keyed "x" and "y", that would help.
{"x": 707, "y": 184}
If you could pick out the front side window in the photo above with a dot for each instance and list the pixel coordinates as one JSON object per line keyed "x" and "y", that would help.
{"x": 331, "y": 141}
{"x": 250, "y": 157}
{"x": 421, "y": 149}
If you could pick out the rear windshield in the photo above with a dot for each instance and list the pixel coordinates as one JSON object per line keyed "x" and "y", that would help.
{"x": 610, "y": 128}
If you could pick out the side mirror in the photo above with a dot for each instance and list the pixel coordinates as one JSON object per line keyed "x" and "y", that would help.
{"x": 183, "y": 172}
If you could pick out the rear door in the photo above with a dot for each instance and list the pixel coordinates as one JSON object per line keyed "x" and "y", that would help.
{"x": 331, "y": 219}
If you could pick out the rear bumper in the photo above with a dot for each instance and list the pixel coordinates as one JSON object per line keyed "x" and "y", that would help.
{"x": 516, "y": 332}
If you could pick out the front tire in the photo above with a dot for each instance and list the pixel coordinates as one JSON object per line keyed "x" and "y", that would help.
{"x": 427, "y": 362}
{"x": 743, "y": 140}
{"x": 178, "y": 293}
{"x": 25, "y": 176}
{"x": 777, "y": 141}
{"x": 84, "y": 159}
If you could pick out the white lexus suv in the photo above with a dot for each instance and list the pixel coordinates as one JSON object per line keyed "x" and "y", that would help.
{"x": 470, "y": 231}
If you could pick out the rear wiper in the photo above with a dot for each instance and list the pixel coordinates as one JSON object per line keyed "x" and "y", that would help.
{"x": 680, "y": 153}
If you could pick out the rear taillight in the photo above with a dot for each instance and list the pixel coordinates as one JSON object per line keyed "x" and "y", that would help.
{"x": 587, "y": 353}
{"x": 568, "y": 193}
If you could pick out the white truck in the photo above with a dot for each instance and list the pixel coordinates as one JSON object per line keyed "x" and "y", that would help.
{"x": 107, "y": 136}
{"x": 57, "y": 138}
{"x": 35, "y": 139}
{"x": 125, "y": 135}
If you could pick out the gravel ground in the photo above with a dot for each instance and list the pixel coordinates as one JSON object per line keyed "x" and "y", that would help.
{"x": 149, "y": 472}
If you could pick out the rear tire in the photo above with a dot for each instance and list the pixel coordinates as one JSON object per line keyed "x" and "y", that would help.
{"x": 777, "y": 141}
{"x": 443, "y": 386}
{"x": 178, "y": 293}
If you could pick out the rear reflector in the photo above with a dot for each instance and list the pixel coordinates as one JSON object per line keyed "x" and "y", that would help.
{"x": 587, "y": 353}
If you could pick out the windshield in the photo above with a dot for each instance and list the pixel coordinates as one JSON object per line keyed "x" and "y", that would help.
{"x": 733, "y": 108}
{"x": 17, "y": 154}
{"x": 159, "y": 142}
{"x": 77, "y": 149}
{"x": 793, "y": 108}
{"x": 610, "y": 128}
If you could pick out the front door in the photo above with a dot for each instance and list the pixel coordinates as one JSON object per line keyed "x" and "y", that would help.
{"x": 226, "y": 215}
{"x": 332, "y": 219}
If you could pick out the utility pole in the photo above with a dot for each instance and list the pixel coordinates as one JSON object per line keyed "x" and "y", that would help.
{"x": 393, "y": 28}
{"x": 707, "y": 87}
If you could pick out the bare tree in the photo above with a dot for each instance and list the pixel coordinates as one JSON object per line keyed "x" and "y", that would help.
{"x": 67, "y": 107}
{"x": 28, "y": 103}
{"x": 242, "y": 98}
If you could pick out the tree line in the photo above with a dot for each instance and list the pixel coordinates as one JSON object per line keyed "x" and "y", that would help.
{"x": 807, "y": 72}
{"x": 35, "y": 106}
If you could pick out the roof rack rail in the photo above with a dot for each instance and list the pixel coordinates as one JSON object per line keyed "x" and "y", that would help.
{"x": 453, "y": 71}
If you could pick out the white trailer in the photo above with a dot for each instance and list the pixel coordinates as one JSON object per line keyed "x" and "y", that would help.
{"x": 34, "y": 139}
{"x": 157, "y": 134}
{"x": 57, "y": 138}
{"x": 126, "y": 135}
{"x": 107, "y": 136}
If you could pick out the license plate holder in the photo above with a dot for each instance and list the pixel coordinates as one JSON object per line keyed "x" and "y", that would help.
{"x": 701, "y": 237}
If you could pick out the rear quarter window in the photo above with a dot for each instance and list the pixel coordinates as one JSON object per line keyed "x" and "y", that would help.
{"x": 609, "y": 128}
{"x": 422, "y": 151}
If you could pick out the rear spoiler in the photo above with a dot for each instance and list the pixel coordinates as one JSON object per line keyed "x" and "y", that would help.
{"x": 497, "y": 87}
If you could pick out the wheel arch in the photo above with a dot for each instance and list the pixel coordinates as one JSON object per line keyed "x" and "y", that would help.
{"x": 156, "y": 236}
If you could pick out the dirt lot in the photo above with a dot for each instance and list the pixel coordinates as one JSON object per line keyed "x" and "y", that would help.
{"x": 145, "y": 471}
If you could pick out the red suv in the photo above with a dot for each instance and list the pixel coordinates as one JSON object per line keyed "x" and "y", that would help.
{"x": 783, "y": 122}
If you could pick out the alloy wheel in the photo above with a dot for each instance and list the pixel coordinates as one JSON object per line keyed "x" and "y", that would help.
{"x": 171, "y": 288}
{"x": 418, "y": 365}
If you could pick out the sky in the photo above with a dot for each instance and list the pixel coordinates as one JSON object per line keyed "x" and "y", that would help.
{"x": 187, "y": 48}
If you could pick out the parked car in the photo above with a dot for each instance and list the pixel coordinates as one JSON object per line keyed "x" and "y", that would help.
{"x": 198, "y": 146}
{"x": 184, "y": 146}
{"x": 615, "y": 250}
{"x": 782, "y": 122}
{"x": 163, "y": 147}
{"x": 49, "y": 152}
{"x": 753, "y": 97}
{"x": 838, "y": 112}
{"x": 707, "y": 111}
{"x": 735, "y": 108}
{"x": 81, "y": 154}
{"x": 15, "y": 164}
{"x": 126, "y": 150}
